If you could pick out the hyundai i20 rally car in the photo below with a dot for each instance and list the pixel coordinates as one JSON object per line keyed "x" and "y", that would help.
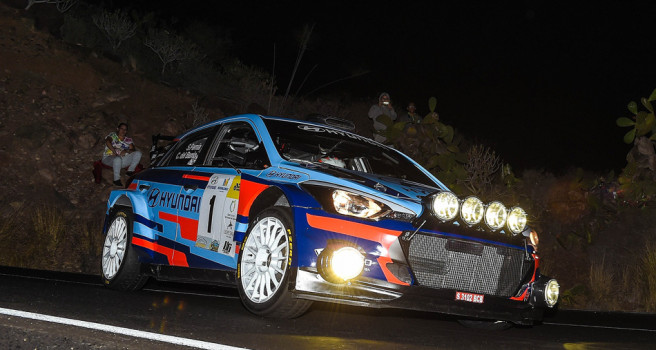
{"x": 293, "y": 212}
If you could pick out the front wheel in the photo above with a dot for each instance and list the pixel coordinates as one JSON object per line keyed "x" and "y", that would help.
{"x": 264, "y": 267}
{"x": 120, "y": 266}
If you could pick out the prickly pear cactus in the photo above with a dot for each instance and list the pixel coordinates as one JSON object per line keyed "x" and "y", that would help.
{"x": 642, "y": 122}
{"x": 431, "y": 143}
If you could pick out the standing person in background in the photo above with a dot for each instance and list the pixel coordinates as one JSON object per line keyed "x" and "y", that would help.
{"x": 120, "y": 152}
{"x": 411, "y": 115}
{"x": 384, "y": 107}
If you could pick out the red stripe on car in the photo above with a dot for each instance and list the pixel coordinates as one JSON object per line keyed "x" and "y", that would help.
{"x": 248, "y": 191}
{"x": 354, "y": 229}
{"x": 188, "y": 227}
{"x": 174, "y": 258}
{"x": 196, "y": 177}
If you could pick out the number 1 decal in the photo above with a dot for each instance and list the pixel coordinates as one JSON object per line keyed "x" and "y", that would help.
{"x": 219, "y": 209}
{"x": 209, "y": 221}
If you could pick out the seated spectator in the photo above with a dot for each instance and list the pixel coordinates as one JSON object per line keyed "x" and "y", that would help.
{"x": 120, "y": 152}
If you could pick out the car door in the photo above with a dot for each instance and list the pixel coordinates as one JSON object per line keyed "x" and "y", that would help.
{"x": 173, "y": 203}
{"x": 237, "y": 149}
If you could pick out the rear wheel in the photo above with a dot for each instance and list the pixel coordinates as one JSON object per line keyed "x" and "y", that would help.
{"x": 264, "y": 267}
{"x": 120, "y": 266}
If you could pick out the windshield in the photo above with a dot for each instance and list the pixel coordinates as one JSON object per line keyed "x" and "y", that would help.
{"x": 310, "y": 144}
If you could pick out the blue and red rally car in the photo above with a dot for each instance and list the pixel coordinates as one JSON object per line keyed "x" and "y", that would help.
{"x": 293, "y": 212}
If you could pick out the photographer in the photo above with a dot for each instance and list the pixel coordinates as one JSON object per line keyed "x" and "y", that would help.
{"x": 384, "y": 107}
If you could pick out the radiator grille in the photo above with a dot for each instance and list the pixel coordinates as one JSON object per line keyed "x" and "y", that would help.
{"x": 449, "y": 263}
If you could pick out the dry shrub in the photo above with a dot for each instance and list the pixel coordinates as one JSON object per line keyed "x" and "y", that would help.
{"x": 89, "y": 248}
{"x": 603, "y": 290}
{"x": 649, "y": 277}
{"x": 49, "y": 226}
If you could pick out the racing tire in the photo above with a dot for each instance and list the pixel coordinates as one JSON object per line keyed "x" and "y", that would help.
{"x": 487, "y": 325}
{"x": 264, "y": 266}
{"x": 120, "y": 265}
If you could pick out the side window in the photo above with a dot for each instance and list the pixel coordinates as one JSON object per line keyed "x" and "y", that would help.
{"x": 238, "y": 146}
{"x": 191, "y": 149}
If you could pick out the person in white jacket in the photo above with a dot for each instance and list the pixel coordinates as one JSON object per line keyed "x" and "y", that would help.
{"x": 384, "y": 107}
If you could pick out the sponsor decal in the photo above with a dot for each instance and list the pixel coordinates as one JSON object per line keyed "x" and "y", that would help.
{"x": 165, "y": 199}
{"x": 218, "y": 214}
{"x": 469, "y": 297}
{"x": 281, "y": 175}
{"x": 336, "y": 132}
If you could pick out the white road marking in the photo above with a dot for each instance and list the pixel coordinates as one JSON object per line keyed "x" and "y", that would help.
{"x": 120, "y": 330}
{"x": 604, "y": 327}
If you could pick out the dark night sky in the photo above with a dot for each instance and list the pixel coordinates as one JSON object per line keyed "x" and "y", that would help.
{"x": 542, "y": 82}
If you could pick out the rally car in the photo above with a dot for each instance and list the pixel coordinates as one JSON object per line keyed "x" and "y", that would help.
{"x": 292, "y": 212}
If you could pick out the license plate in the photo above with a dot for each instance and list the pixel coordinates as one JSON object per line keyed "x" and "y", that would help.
{"x": 469, "y": 297}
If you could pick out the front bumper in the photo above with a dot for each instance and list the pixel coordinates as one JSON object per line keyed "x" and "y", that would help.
{"x": 378, "y": 294}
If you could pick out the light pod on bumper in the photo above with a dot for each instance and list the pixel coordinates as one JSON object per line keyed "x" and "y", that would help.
{"x": 472, "y": 210}
{"x": 517, "y": 220}
{"x": 547, "y": 292}
{"x": 445, "y": 206}
{"x": 495, "y": 215}
{"x": 340, "y": 264}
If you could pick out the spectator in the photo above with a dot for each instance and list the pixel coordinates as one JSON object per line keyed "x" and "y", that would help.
{"x": 384, "y": 107}
{"x": 411, "y": 115}
{"x": 120, "y": 152}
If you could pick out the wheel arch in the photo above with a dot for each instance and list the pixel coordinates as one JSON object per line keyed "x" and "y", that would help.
{"x": 126, "y": 200}
{"x": 271, "y": 197}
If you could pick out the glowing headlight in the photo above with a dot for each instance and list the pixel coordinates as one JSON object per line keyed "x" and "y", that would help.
{"x": 517, "y": 220}
{"x": 495, "y": 215}
{"x": 347, "y": 263}
{"x": 355, "y": 205}
{"x": 445, "y": 206}
{"x": 472, "y": 211}
{"x": 551, "y": 293}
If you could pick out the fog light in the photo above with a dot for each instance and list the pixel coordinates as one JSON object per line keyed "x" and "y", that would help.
{"x": 472, "y": 210}
{"x": 517, "y": 220}
{"x": 551, "y": 293}
{"x": 445, "y": 206}
{"x": 495, "y": 215}
{"x": 340, "y": 265}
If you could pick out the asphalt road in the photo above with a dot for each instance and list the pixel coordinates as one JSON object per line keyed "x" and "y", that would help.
{"x": 47, "y": 310}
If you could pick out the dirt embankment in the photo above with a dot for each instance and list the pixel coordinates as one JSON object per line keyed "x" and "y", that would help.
{"x": 57, "y": 103}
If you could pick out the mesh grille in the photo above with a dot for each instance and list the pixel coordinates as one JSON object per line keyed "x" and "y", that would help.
{"x": 439, "y": 262}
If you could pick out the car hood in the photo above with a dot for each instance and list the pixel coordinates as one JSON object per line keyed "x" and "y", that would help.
{"x": 395, "y": 187}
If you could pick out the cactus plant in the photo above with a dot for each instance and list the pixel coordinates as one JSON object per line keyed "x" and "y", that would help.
{"x": 642, "y": 123}
{"x": 431, "y": 143}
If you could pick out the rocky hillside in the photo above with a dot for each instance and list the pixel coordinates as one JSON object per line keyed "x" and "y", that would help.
{"x": 57, "y": 103}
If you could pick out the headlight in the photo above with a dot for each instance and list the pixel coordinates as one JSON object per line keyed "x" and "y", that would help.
{"x": 495, "y": 215}
{"x": 445, "y": 206}
{"x": 472, "y": 210}
{"x": 340, "y": 265}
{"x": 551, "y": 293}
{"x": 355, "y": 205}
{"x": 517, "y": 220}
